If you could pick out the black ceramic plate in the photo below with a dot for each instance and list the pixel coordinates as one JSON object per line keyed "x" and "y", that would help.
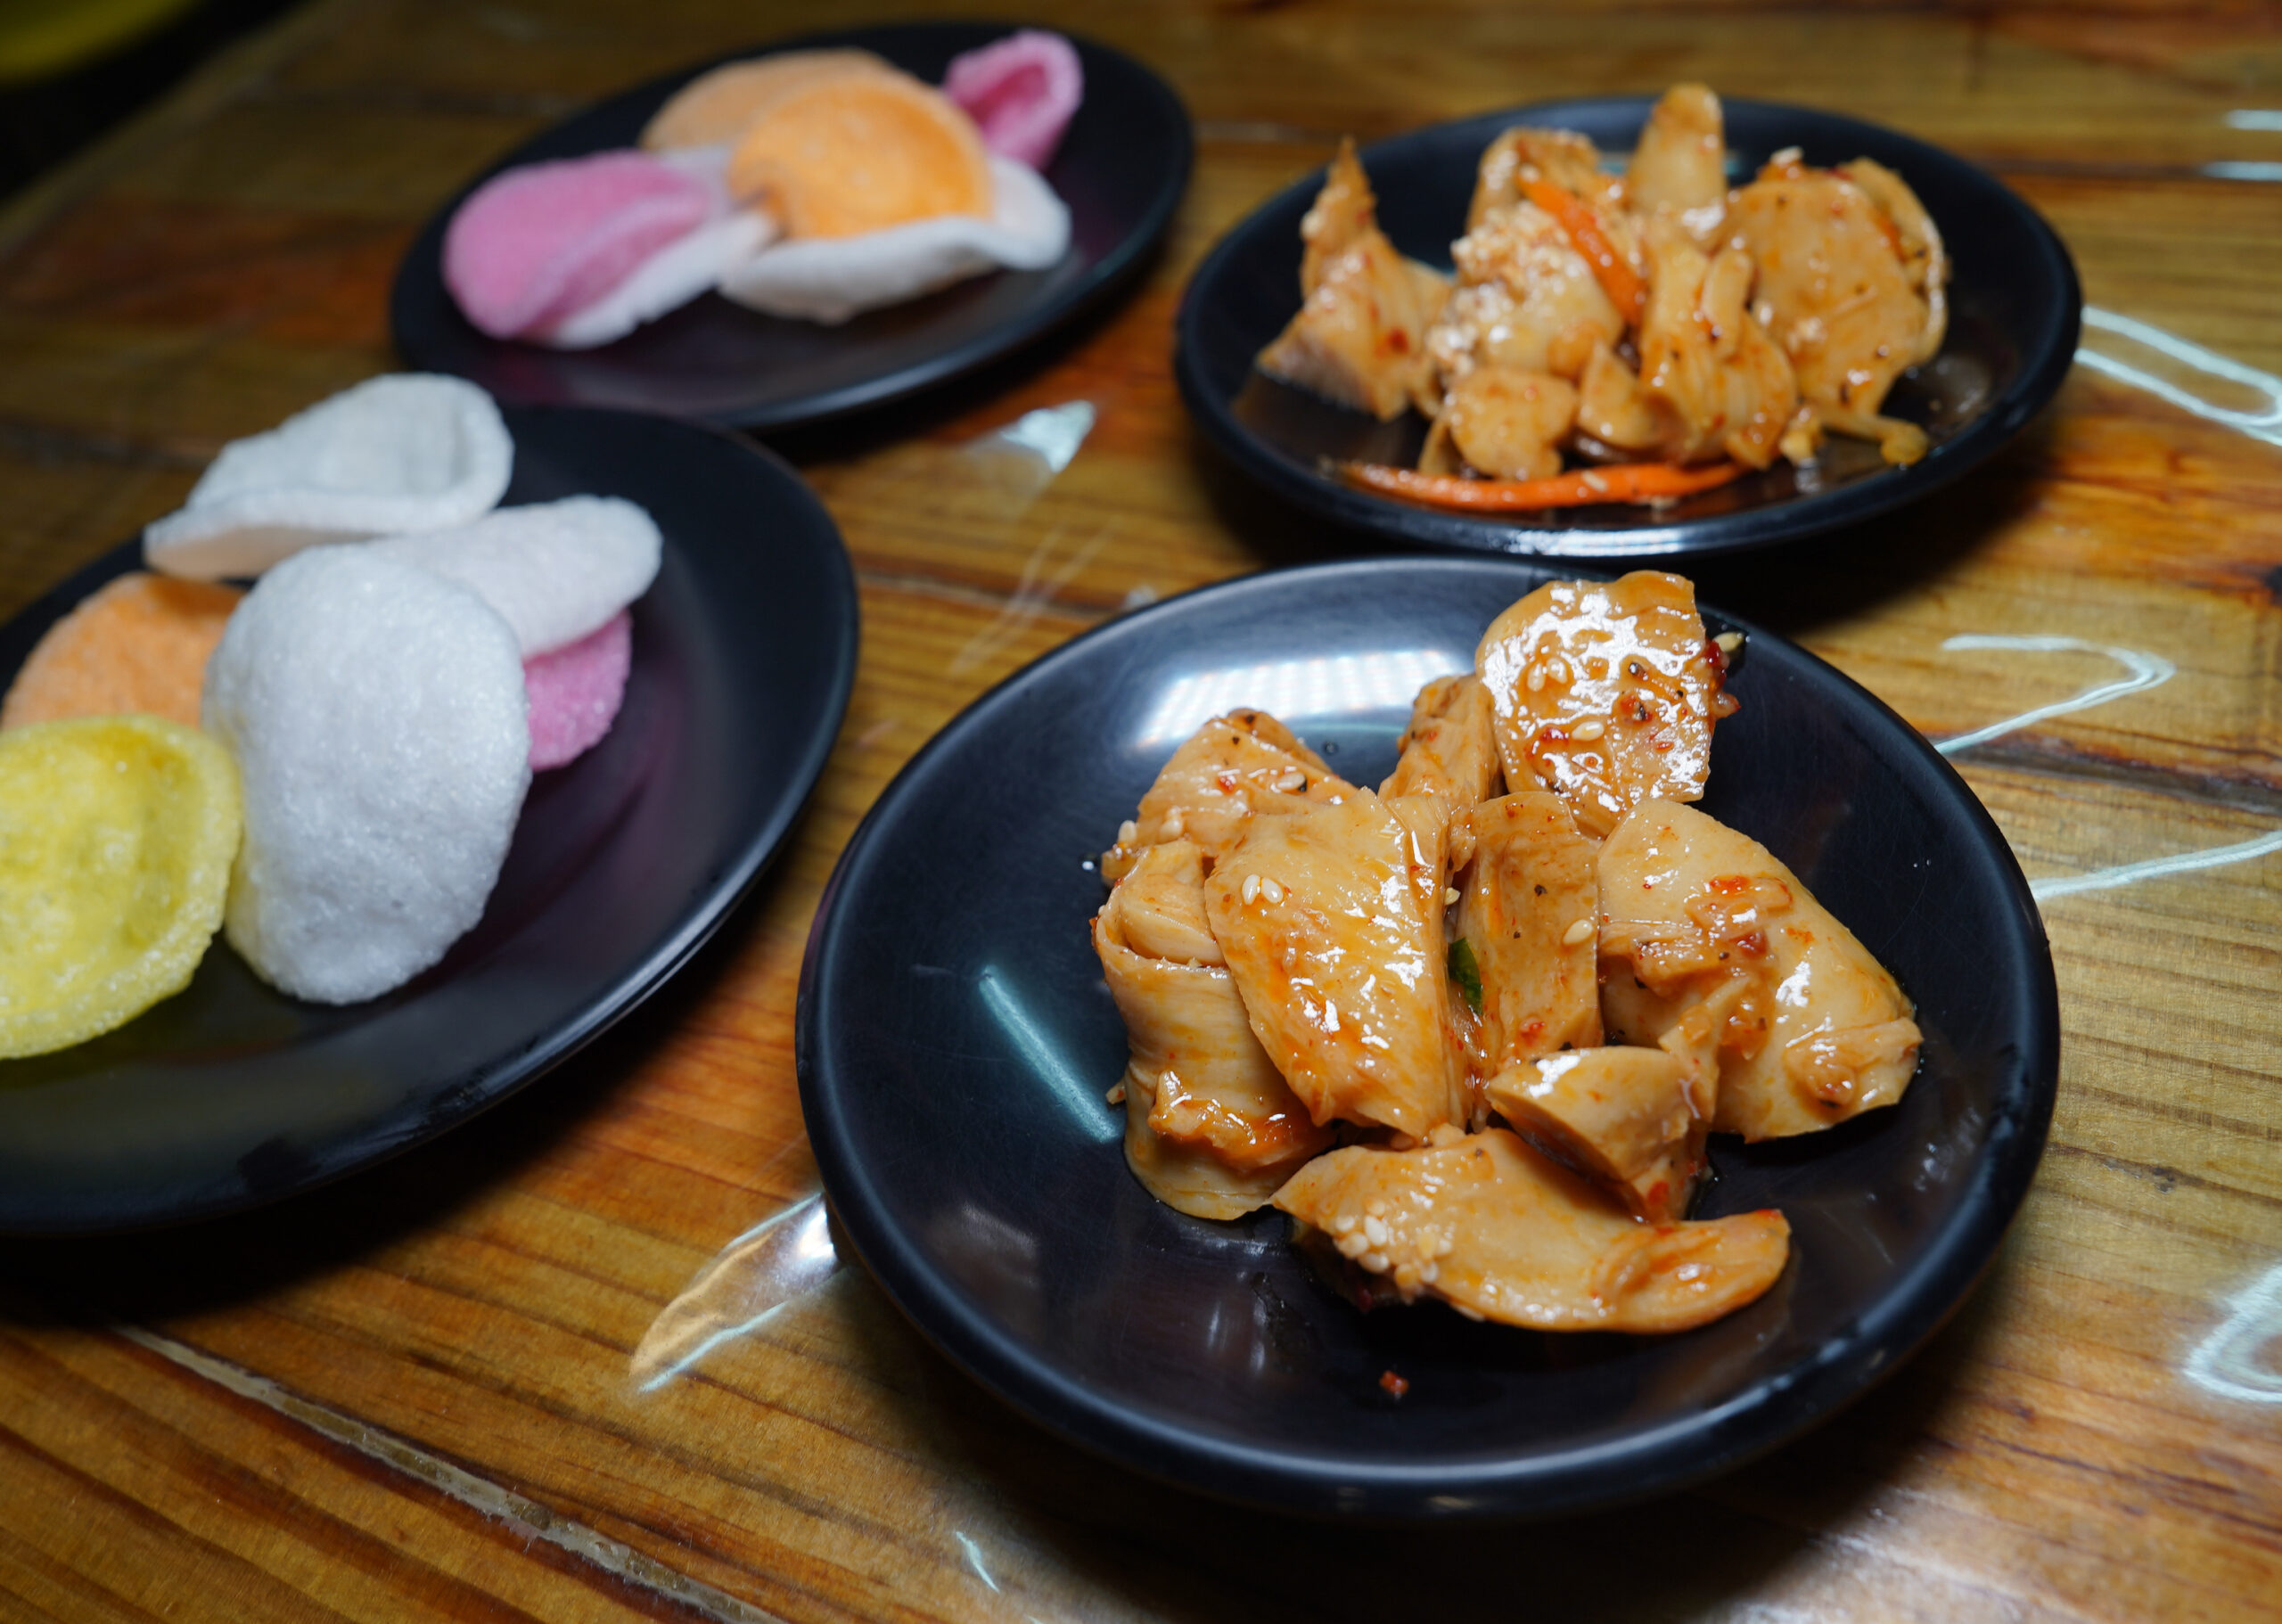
{"x": 954, "y": 1039}
{"x": 230, "y": 1094}
{"x": 1121, "y": 168}
{"x": 2013, "y": 311}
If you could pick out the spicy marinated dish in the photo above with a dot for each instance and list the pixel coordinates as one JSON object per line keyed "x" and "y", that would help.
{"x": 1632, "y": 337}
{"x": 1471, "y": 1029}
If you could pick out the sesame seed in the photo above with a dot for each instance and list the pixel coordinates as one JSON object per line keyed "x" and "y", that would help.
{"x": 1128, "y": 833}
{"x": 1376, "y": 1208}
{"x": 1344, "y": 1223}
{"x": 1576, "y": 935}
{"x": 1471, "y": 1313}
{"x": 1449, "y": 894}
{"x": 1431, "y": 1274}
{"x": 1558, "y": 670}
{"x": 1116, "y": 1095}
{"x": 1375, "y": 1231}
{"x": 1536, "y": 679}
{"x": 1585, "y": 733}
{"x": 1271, "y": 891}
{"x": 1175, "y": 825}
{"x": 1351, "y": 1245}
{"x": 1291, "y": 781}
{"x": 1251, "y": 891}
{"x": 1376, "y": 1261}
{"x": 1444, "y": 1247}
{"x": 1405, "y": 1276}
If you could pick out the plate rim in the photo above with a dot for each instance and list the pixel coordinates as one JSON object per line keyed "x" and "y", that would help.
{"x": 1997, "y": 426}
{"x": 753, "y": 856}
{"x": 1105, "y": 281}
{"x": 1744, "y": 1425}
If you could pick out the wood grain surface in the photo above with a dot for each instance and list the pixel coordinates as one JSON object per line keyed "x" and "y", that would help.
{"x": 469, "y": 1384}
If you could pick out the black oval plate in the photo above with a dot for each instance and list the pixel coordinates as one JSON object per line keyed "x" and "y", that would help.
{"x": 2015, "y": 309}
{"x": 230, "y": 1095}
{"x": 1121, "y": 168}
{"x": 954, "y": 1039}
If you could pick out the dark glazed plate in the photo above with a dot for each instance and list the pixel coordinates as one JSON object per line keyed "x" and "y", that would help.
{"x": 1121, "y": 168}
{"x": 230, "y": 1095}
{"x": 954, "y": 1039}
{"x": 2015, "y": 308}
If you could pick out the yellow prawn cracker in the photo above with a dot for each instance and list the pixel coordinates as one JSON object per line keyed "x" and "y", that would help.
{"x": 117, "y": 835}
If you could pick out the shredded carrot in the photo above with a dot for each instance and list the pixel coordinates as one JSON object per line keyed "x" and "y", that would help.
{"x": 1619, "y": 482}
{"x": 1618, "y": 279}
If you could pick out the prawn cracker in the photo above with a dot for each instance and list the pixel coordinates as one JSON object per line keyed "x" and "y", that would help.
{"x": 575, "y": 692}
{"x": 715, "y": 109}
{"x": 115, "y": 838}
{"x": 860, "y": 153}
{"x": 137, "y": 646}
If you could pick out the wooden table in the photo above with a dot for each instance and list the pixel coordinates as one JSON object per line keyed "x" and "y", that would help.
{"x": 475, "y": 1382}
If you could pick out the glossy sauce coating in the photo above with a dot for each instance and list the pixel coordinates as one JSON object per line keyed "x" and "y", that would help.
{"x": 1503, "y": 1233}
{"x": 1210, "y": 1129}
{"x": 1605, "y": 693}
{"x": 1233, "y": 765}
{"x": 1330, "y": 920}
{"x": 1529, "y": 911}
{"x": 1819, "y": 1031}
{"x": 1624, "y": 1117}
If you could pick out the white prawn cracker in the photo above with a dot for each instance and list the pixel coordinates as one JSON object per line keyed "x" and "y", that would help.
{"x": 554, "y": 571}
{"x": 409, "y": 451}
{"x": 376, "y": 712}
{"x": 829, "y": 279}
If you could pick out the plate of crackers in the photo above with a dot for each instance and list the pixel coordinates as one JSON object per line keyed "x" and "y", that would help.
{"x": 418, "y": 748}
{"x": 813, "y": 228}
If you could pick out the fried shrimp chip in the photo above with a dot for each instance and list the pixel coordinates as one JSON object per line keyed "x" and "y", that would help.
{"x": 862, "y": 153}
{"x": 115, "y": 838}
{"x": 377, "y": 715}
{"x": 138, "y": 644}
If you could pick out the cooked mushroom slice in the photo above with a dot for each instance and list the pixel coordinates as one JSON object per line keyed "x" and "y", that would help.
{"x": 1503, "y": 1233}
{"x": 1704, "y": 354}
{"x": 1681, "y": 161}
{"x": 1331, "y": 921}
{"x": 1210, "y": 1127}
{"x": 1449, "y": 751}
{"x": 1233, "y": 765}
{"x": 1605, "y": 692}
{"x": 1563, "y": 157}
{"x": 1509, "y": 424}
{"x": 1528, "y": 911}
{"x": 1360, "y": 338}
{"x": 1924, "y": 259}
{"x": 1525, "y": 299}
{"x": 1624, "y": 1117}
{"x": 1852, "y": 293}
{"x": 1616, "y": 410}
{"x": 1818, "y": 1031}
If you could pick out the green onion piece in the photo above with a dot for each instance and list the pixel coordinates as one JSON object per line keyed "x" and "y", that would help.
{"x": 1467, "y": 973}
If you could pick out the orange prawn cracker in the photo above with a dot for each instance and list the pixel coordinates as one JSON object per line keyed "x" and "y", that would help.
{"x": 862, "y": 153}
{"x": 139, "y": 645}
{"x": 715, "y": 109}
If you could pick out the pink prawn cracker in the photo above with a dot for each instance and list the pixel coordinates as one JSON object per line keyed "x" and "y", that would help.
{"x": 1020, "y": 92}
{"x": 575, "y": 692}
{"x": 537, "y": 244}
